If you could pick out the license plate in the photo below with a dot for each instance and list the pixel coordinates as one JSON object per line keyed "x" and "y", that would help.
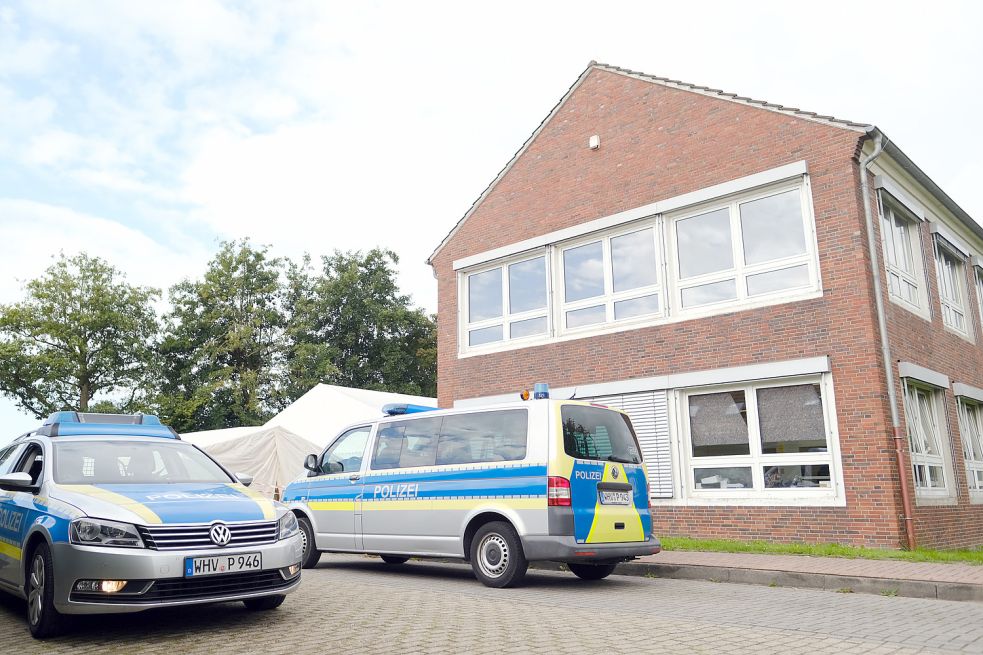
{"x": 615, "y": 498}
{"x": 219, "y": 564}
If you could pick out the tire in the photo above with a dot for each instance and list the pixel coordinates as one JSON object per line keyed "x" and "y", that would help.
{"x": 394, "y": 559}
{"x": 496, "y": 555}
{"x": 591, "y": 571}
{"x": 264, "y": 603}
{"x": 311, "y": 554}
{"x": 42, "y": 617}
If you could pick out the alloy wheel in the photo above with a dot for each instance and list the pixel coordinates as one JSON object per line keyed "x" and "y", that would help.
{"x": 35, "y": 594}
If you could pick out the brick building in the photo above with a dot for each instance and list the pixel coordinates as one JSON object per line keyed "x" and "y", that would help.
{"x": 702, "y": 260}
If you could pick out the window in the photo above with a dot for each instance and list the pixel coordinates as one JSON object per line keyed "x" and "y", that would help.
{"x": 345, "y": 454}
{"x": 766, "y": 438}
{"x": 7, "y": 457}
{"x": 971, "y": 431}
{"x": 110, "y": 462}
{"x": 507, "y": 302}
{"x": 600, "y": 434}
{"x": 483, "y": 437}
{"x": 902, "y": 257}
{"x": 611, "y": 279}
{"x": 405, "y": 444}
{"x": 952, "y": 291}
{"x": 978, "y": 276}
{"x": 747, "y": 249}
{"x": 922, "y": 413}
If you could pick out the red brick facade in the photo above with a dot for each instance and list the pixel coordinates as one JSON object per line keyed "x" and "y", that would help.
{"x": 659, "y": 142}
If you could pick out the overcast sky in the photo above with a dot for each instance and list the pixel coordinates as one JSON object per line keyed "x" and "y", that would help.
{"x": 147, "y": 132}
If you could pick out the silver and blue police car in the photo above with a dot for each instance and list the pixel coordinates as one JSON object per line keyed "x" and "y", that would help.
{"x": 114, "y": 513}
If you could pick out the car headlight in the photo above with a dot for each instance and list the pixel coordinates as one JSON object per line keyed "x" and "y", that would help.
{"x": 288, "y": 525}
{"x": 99, "y": 532}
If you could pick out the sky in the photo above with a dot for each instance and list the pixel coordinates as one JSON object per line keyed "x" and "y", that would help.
{"x": 148, "y": 132}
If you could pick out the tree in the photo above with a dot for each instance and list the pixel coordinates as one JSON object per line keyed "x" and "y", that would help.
{"x": 80, "y": 332}
{"x": 350, "y": 322}
{"x": 222, "y": 349}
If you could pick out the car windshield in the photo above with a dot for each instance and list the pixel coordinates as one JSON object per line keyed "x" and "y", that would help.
{"x": 599, "y": 433}
{"x": 138, "y": 462}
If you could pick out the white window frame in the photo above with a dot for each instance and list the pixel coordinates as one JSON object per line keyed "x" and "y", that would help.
{"x": 610, "y": 296}
{"x": 758, "y": 494}
{"x": 507, "y": 318}
{"x": 667, "y": 286}
{"x": 890, "y": 213}
{"x": 978, "y": 279}
{"x": 741, "y": 271}
{"x": 952, "y": 306}
{"x": 945, "y": 494}
{"x": 971, "y": 435}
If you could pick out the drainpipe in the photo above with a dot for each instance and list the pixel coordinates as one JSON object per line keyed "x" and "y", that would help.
{"x": 892, "y": 396}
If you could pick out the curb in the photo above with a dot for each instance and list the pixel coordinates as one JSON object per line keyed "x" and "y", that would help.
{"x": 840, "y": 583}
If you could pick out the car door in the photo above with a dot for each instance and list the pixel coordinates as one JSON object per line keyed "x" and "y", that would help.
{"x": 17, "y": 510}
{"x": 333, "y": 492}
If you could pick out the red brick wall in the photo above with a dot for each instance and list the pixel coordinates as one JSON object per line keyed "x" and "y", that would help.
{"x": 658, "y": 142}
{"x": 931, "y": 345}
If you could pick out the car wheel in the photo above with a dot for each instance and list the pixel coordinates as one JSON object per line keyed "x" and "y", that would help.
{"x": 394, "y": 559}
{"x": 591, "y": 571}
{"x": 497, "y": 557}
{"x": 311, "y": 554}
{"x": 264, "y": 603}
{"x": 42, "y": 617}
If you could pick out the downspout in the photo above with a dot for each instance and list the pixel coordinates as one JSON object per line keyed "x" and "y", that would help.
{"x": 899, "y": 441}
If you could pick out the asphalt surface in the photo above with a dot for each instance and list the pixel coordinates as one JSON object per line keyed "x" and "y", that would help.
{"x": 359, "y": 604}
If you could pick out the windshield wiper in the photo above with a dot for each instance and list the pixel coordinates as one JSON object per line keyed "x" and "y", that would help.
{"x": 623, "y": 460}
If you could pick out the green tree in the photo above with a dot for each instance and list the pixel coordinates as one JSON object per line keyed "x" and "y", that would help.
{"x": 350, "y": 325}
{"x": 222, "y": 349}
{"x": 81, "y": 331}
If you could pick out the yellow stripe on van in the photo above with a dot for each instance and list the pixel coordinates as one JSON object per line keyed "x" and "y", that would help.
{"x": 120, "y": 500}
{"x": 605, "y": 516}
{"x": 9, "y": 550}
{"x": 265, "y": 504}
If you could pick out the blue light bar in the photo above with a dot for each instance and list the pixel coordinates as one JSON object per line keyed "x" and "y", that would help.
{"x": 398, "y": 409}
{"x": 69, "y": 423}
{"x": 541, "y": 390}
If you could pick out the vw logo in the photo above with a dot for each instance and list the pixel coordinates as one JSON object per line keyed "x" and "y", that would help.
{"x": 614, "y": 472}
{"x": 220, "y": 534}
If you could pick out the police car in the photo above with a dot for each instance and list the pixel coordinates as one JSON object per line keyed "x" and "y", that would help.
{"x": 114, "y": 513}
{"x": 498, "y": 486}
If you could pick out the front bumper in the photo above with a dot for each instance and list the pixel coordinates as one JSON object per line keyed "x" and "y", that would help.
{"x": 566, "y": 549}
{"x": 158, "y": 576}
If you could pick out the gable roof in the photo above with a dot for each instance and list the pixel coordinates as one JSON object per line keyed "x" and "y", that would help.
{"x": 704, "y": 90}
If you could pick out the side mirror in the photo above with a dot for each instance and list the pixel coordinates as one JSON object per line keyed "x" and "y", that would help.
{"x": 16, "y": 481}
{"x": 245, "y": 479}
{"x": 310, "y": 463}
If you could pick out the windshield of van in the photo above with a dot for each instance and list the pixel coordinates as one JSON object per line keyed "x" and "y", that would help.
{"x": 139, "y": 462}
{"x": 598, "y": 433}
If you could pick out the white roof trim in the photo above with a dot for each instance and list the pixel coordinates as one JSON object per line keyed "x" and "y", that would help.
{"x": 748, "y": 373}
{"x": 927, "y": 375}
{"x": 884, "y": 183}
{"x": 762, "y": 178}
{"x": 967, "y": 391}
{"x": 950, "y": 237}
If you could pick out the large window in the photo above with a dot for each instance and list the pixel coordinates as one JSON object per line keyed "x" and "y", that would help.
{"x": 952, "y": 286}
{"x": 923, "y": 413}
{"x": 507, "y": 302}
{"x": 750, "y": 248}
{"x": 611, "y": 279}
{"x": 971, "y": 432}
{"x": 902, "y": 257}
{"x": 764, "y": 438}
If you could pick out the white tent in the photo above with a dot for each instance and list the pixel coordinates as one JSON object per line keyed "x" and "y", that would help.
{"x": 274, "y": 452}
{"x": 274, "y": 456}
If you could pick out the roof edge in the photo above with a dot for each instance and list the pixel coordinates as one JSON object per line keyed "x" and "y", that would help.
{"x": 508, "y": 166}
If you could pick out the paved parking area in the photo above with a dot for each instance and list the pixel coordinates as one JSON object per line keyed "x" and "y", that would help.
{"x": 359, "y": 604}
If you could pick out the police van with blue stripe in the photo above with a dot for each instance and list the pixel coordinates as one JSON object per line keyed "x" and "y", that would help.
{"x": 499, "y": 486}
{"x": 114, "y": 513}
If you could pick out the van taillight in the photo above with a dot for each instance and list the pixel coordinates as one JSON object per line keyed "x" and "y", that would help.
{"x": 558, "y": 492}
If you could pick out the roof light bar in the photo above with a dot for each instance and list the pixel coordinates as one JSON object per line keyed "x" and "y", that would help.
{"x": 398, "y": 409}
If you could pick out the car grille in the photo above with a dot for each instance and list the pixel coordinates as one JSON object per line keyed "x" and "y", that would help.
{"x": 193, "y": 537}
{"x": 190, "y": 589}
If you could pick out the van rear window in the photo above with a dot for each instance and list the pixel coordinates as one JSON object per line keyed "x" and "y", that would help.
{"x": 598, "y": 433}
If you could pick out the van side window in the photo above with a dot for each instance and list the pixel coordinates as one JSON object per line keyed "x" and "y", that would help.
{"x": 406, "y": 444}
{"x": 483, "y": 437}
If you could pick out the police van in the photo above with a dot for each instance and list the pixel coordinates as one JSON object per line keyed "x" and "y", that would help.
{"x": 114, "y": 513}
{"x": 498, "y": 486}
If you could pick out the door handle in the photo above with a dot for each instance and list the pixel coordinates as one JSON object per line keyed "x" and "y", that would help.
{"x": 354, "y": 477}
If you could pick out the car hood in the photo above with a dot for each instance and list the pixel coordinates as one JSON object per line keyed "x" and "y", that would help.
{"x": 155, "y": 504}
